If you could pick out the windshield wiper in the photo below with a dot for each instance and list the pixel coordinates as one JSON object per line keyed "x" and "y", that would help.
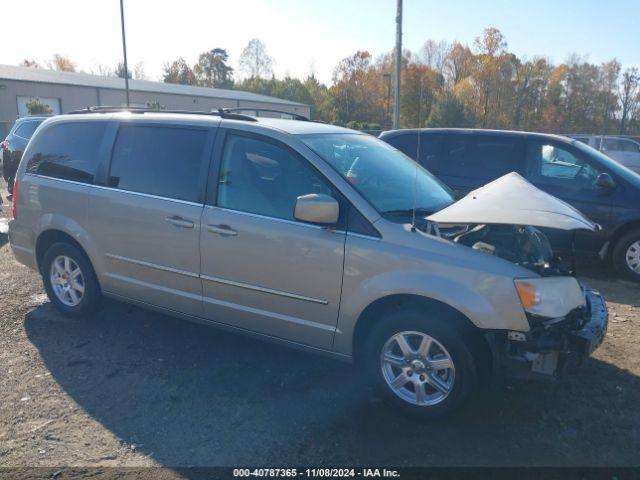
{"x": 408, "y": 212}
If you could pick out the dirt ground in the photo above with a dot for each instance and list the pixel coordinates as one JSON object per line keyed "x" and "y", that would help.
{"x": 135, "y": 388}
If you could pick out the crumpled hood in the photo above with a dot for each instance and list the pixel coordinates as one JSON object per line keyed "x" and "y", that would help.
{"x": 512, "y": 200}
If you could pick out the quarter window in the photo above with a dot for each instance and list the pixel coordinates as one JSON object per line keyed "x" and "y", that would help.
{"x": 26, "y": 129}
{"x": 620, "y": 145}
{"x": 68, "y": 151}
{"x": 263, "y": 178}
{"x": 163, "y": 161}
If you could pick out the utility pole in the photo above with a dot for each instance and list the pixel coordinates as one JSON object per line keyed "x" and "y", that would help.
{"x": 396, "y": 99}
{"x": 387, "y": 112}
{"x": 124, "y": 49}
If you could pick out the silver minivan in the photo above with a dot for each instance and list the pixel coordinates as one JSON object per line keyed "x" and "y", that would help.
{"x": 308, "y": 234}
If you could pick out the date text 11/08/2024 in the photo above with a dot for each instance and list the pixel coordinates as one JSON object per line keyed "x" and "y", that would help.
{"x": 316, "y": 472}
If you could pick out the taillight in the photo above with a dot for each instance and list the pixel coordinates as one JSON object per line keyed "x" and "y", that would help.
{"x": 14, "y": 199}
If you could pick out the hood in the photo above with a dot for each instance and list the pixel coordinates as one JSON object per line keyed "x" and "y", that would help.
{"x": 514, "y": 201}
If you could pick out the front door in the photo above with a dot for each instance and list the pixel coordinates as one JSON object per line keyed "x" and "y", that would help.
{"x": 146, "y": 220}
{"x": 261, "y": 269}
{"x": 566, "y": 173}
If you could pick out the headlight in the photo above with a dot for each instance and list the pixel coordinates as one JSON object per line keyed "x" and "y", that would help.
{"x": 550, "y": 297}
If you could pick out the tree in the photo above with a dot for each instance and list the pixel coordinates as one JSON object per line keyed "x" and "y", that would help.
{"x": 449, "y": 111}
{"x": 322, "y": 102}
{"x": 30, "y": 63}
{"x": 457, "y": 63}
{"x": 178, "y": 71}
{"x": 62, "y": 63}
{"x": 629, "y": 97}
{"x": 212, "y": 69}
{"x": 36, "y": 107}
{"x": 119, "y": 71}
{"x": 420, "y": 85}
{"x": 434, "y": 54}
{"x": 255, "y": 60}
{"x": 138, "y": 71}
{"x": 155, "y": 105}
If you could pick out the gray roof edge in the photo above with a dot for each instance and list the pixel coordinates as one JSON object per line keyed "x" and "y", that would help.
{"x": 39, "y": 75}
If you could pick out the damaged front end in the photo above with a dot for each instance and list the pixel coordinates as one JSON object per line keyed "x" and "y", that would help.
{"x": 554, "y": 346}
{"x": 567, "y": 321}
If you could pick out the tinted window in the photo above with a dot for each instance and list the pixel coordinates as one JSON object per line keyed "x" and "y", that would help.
{"x": 407, "y": 143}
{"x": 163, "y": 161}
{"x": 619, "y": 145}
{"x": 429, "y": 148}
{"x": 260, "y": 177}
{"x": 68, "y": 151}
{"x": 26, "y": 129}
{"x": 481, "y": 157}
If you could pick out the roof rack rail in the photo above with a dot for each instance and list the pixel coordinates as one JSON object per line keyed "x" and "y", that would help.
{"x": 110, "y": 109}
{"x": 296, "y": 116}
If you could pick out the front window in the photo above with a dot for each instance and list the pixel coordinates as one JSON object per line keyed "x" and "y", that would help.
{"x": 389, "y": 180}
{"x": 552, "y": 164}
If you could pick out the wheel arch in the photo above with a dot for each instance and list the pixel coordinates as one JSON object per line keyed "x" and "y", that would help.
{"x": 620, "y": 232}
{"x": 376, "y": 309}
{"x": 51, "y": 236}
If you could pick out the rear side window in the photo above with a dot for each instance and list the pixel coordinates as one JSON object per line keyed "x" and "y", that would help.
{"x": 26, "y": 129}
{"x": 68, "y": 151}
{"x": 407, "y": 143}
{"x": 163, "y": 161}
{"x": 482, "y": 157}
{"x": 429, "y": 148}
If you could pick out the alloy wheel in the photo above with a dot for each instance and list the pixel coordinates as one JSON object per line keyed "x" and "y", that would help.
{"x": 417, "y": 368}
{"x": 67, "y": 280}
{"x": 633, "y": 256}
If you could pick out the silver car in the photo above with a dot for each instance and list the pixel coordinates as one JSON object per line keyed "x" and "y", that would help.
{"x": 623, "y": 150}
{"x": 308, "y": 234}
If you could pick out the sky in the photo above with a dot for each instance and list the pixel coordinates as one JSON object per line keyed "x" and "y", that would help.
{"x": 305, "y": 36}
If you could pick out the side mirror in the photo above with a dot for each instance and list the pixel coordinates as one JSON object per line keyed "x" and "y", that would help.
{"x": 605, "y": 182}
{"x": 317, "y": 208}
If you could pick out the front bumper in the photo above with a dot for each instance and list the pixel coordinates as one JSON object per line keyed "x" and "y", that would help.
{"x": 554, "y": 348}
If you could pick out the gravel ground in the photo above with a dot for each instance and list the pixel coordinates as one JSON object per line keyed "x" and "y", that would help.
{"x": 135, "y": 388}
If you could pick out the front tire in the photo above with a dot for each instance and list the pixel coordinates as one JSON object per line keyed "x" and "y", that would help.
{"x": 420, "y": 362}
{"x": 69, "y": 280}
{"x": 626, "y": 255}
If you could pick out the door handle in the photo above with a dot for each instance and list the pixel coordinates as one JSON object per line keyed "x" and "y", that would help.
{"x": 177, "y": 221}
{"x": 224, "y": 230}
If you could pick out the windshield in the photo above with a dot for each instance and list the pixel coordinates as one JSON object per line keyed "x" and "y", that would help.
{"x": 383, "y": 175}
{"x": 607, "y": 162}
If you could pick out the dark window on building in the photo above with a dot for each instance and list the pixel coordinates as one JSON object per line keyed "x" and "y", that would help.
{"x": 482, "y": 157}
{"x": 26, "y": 129}
{"x": 68, "y": 151}
{"x": 263, "y": 178}
{"x": 163, "y": 161}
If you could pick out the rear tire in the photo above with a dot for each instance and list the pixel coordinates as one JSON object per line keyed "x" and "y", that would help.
{"x": 626, "y": 255}
{"x": 431, "y": 383}
{"x": 69, "y": 280}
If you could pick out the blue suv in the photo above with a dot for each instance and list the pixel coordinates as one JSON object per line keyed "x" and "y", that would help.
{"x": 599, "y": 187}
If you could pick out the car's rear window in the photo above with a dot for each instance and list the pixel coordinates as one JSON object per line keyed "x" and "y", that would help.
{"x": 67, "y": 151}
{"x": 26, "y": 129}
